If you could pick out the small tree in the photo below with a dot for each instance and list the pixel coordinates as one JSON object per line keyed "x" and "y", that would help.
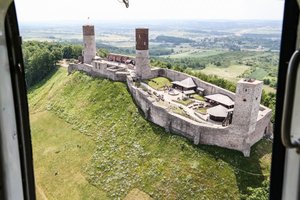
{"x": 260, "y": 193}
{"x": 267, "y": 81}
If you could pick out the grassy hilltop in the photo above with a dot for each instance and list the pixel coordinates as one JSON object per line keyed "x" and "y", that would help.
{"x": 91, "y": 142}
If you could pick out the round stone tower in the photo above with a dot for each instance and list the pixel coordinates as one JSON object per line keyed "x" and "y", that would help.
{"x": 246, "y": 105}
{"x": 89, "y": 50}
{"x": 142, "y": 67}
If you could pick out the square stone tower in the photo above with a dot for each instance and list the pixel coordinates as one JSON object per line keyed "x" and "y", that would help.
{"x": 246, "y": 105}
{"x": 142, "y": 67}
{"x": 89, "y": 48}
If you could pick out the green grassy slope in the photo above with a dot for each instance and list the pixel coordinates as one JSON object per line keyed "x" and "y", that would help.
{"x": 60, "y": 155}
{"x": 120, "y": 150}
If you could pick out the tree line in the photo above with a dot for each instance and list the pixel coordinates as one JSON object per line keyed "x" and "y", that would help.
{"x": 40, "y": 58}
{"x": 172, "y": 39}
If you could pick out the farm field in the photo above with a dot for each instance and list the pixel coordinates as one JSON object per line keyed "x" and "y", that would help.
{"x": 193, "y": 53}
{"x": 231, "y": 73}
{"x": 229, "y": 65}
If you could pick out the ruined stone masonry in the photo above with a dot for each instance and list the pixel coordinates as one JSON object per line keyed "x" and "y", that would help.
{"x": 245, "y": 125}
{"x": 89, "y": 51}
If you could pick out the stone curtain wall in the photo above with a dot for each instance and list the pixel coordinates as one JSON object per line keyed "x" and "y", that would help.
{"x": 200, "y": 133}
{"x": 263, "y": 127}
{"x": 101, "y": 71}
{"x": 179, "y": 76}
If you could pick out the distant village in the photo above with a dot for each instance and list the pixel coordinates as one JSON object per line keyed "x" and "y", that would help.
{"x": 180, "y": 103}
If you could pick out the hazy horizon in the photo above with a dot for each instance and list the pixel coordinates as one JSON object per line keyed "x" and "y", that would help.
{"x": 155, "y": 21}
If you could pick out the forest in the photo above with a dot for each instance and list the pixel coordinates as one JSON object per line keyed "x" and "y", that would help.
{"x": 40, "y": 58}
{"x": 172, "y": 39}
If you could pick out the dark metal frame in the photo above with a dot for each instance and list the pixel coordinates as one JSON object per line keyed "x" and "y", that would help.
{"x": 17, "y": 72}
{"x": 288, "y": 46}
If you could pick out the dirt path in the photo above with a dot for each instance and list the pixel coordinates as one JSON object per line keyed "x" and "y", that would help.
{"x": 41, "y": 192}
{"x": 63, "y": 63}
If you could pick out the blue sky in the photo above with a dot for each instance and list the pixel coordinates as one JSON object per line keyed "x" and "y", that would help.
{"x": 58, "y": 10}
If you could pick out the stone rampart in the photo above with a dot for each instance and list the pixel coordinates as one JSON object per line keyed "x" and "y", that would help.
{"x": 199, "y": 133}
{"x": 208, "y": 87}
{"x": 179, "y": 76}
{"x": 101, "y": 70}
{"x": 263, "y": 127}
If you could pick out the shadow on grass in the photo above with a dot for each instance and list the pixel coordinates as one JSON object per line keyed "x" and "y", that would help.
{"x": 248, "y": 171}
{"x": 44, "y": 80}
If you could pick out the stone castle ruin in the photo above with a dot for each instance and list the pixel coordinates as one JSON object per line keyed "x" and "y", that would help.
{"x": 231, "y": 120}
{"x": 89, "y": 43}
